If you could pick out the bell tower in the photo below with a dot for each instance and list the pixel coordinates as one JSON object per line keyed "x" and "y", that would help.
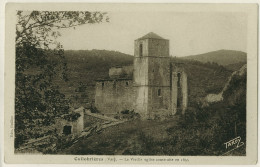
{"x": 151, "y": 73}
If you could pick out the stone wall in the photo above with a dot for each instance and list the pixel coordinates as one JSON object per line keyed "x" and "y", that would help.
{"x": 91, "y": 120}
{"x": 145, "y": 48}
{"x": 152, "y": 76}
{"x": 141, "y": 101}
{"x": 174, "y": 92}
{"x": 157, "y": 85}
{"x": 121, "y": 72}
{"x": 179, "y": 90}
{"x": 184, "y": 92}
{"x": 158, "y": 48}
{"x": 159, "y": 100}
{"x": 141, "y": 71}
{"x": 159, "y": 71}
{"x": 114, "y": 96}
{"x": 77, "y": 126}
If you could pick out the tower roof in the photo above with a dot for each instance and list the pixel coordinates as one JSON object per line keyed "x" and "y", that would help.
{"x": 151, "y": 35}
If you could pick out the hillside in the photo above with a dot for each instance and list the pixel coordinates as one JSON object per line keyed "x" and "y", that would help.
{"x": 222, "y": 57}
{"x": 231, "y": 110}
{"x": 235, "y": 66}
{"x": 85, "y": 66}
{"x": 195, "y": 133}
{"x": 200, "y": 132}
{"x": 90, "y": 65}
{"x": 203, "y": 78}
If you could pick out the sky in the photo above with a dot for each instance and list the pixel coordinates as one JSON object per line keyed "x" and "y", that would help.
{"x": 189, "y": 33}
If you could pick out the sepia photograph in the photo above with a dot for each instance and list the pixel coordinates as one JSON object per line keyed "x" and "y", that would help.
{"x": 132, "y": 81}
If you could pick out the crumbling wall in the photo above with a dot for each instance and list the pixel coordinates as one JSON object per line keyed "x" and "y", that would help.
{"x": 159, "y": 101}
{"x": 179, "y": 90}
{"x": 174, "y": 92}
{"x": 77, "y": 126}
{"x": 121, "y": 72}
{"x": 114, "y": 96}
{"x": 184, "y": 85}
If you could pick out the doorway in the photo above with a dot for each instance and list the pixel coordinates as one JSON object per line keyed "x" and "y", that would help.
{"x": 67, "y": 130}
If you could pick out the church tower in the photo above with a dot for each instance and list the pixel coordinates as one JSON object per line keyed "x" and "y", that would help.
{"x": 152, "y": 77}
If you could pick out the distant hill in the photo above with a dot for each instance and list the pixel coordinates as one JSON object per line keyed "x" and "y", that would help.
{"x": 235, "y": 66}
{"x": 86, "y": 66}
{"x": 82, "y": 62}
{"x": 222, "y": 57}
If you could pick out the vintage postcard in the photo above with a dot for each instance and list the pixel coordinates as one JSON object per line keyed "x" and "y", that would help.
{"x": 130, "y": 83}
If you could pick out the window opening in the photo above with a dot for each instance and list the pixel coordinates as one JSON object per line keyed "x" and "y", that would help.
{"x": 103, "y": 84}
{"x": 141, "y": 50}
{"x": 67, "y": 130}
{"x": 159, "y": 92}
{"x": 179, "y": 79}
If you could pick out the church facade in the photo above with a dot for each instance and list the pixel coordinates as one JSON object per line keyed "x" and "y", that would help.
{"x": 154, "y": 85}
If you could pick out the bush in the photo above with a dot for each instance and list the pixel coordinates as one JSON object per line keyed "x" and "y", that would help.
{"x": 94, "y": 110}
{"x": 125, "y": 112}
{"x": 73, "y": 116}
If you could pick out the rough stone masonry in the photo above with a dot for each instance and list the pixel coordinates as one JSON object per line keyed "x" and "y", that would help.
{"x": 152, "y": 86}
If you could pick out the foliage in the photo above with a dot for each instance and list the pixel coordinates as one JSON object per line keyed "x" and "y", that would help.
{"x": 202, "y": 131}
{"x": 41, "y": 28}
{"x": 94, "y": 110}
{"x": 86, "y": 66}
{"x": 127, "y": 115}
{"x": 73, "y": 116}
{"x": 39, "y": 60}
{"x": 207, "y": 78}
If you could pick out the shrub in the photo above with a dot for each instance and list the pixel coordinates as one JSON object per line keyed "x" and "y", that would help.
{"x": 125, "y": 112}
{"x": 94, "y": 110}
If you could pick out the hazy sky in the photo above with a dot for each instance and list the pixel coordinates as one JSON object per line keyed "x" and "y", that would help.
{"x": 189, "y": 33}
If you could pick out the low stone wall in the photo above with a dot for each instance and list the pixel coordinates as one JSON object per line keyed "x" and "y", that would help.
{"x": 114, "y": 96}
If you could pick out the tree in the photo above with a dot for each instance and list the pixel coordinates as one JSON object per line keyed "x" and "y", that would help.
{"x": 40, "y": 59}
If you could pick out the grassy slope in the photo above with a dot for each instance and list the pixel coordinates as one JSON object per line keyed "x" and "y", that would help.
{"x": 151, "y": 137}
{"x": 130, "y": 138}
{"x": 235, "y": 66}
{"x": 170, "y": 137}
{"x": 202, "y": 131}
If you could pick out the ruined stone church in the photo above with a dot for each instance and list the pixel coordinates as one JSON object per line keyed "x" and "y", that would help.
{"x": 153, "y": 85}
